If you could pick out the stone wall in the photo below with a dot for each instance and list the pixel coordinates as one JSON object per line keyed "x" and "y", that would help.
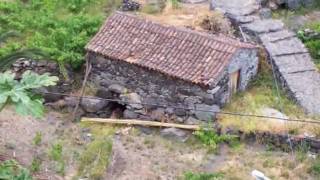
{"x": 150, "y": 95}
{"x": 247, "y": 61}
{"x": 290, "y": 4}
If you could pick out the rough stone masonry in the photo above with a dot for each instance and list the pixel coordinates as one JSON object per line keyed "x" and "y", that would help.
{"x": 165, "y": 73}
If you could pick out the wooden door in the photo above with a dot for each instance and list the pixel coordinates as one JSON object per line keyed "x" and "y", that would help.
{"x": 234, "y": 82}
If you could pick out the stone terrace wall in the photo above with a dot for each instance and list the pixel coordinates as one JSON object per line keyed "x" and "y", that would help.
{"x": 139, "y": 85}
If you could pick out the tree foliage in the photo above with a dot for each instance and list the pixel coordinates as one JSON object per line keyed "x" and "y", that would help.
{"x": 8, "y": 55}
{"x": 61, "y": 28}
{"x": 19, "y": 93}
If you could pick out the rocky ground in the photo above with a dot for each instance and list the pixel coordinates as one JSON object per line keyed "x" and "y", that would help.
{"x": 138, "y": 153}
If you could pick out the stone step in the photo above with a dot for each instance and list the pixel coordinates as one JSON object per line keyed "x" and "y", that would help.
{"x": 235, "y": 7}
{"x": 285, "y": 47}
{"x": 238, "y": 20}
{"x": 294, "y": 63}
{"x": 263, "y": 26}
{"x": 277, "y": 36}
{"x": 305, "y": 87}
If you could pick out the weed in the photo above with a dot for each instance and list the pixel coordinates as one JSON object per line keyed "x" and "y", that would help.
{"x": 302, "y": 150}
{"x": 56, "y": 155}
{"x": 211, "y": 139}
{"x": 55, "y": 152}
{"x": 37, "y": 139}
{"x": 315, "y": 168}
{"x": 95, "y": 159}
{"x": 35, "y": 165}
{"x": 203, "y": 176}
{"x": 149, "y": 143}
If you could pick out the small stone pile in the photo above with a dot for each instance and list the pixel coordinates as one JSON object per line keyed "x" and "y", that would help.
{"x": 129, "y": 5}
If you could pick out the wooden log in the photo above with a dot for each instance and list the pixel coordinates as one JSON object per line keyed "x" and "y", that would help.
{"x": 141, "y": 123}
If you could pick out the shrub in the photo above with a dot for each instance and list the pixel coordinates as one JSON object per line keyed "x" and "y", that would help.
{"x": 12, "y": 170}
{"x": 211, "y": 139}
{"x": 59, "y": 27}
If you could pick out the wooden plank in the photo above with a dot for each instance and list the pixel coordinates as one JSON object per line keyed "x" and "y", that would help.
{"x": 140, "y": 122}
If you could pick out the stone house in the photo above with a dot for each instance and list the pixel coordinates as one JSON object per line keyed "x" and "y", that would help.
{"x": 162, "y": 72}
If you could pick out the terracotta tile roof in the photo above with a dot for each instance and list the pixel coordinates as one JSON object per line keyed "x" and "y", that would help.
{"x": 181, "y": 53}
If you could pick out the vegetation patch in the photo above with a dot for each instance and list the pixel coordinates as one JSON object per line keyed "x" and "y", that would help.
{"x": 94, "y": 160}
{"x": 211, "y": 139}
{"x": 13, "y": 170}
{"x": 312, "y": 41}
{"x": 56, "y": 154}
{"x": 203, "y": 176}
{"x": 60, "y": 28}
{"x": 261, "y": 94}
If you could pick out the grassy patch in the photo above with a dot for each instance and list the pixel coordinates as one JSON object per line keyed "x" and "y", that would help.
{"x": 203, "y": 176}
{"x": 312, "y": 43}
{"x": 56, "y": 155}
{"x": 94, "y": 160}
{"x": 211, "y": 139}
{"x": 262, "y": 93}
{"x": 13, "y": 170}
{"x": 59, "y": 27}
{"x": 37, "y": 139}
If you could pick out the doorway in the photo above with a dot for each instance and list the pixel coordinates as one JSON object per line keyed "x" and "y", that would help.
{"x": 234, "y": 82}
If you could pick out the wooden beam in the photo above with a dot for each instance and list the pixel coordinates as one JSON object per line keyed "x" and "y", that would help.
{"x": 141, "y": 123}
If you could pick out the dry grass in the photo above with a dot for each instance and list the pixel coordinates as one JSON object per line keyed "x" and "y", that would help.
{"x": 191, "y": 16}
{"x": 263, "y": 94}
{"x": 275, "y": 165}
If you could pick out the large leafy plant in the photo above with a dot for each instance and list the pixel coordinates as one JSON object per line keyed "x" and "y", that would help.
{"x": 12, "y": 170}
{"x": 19, "y": 93}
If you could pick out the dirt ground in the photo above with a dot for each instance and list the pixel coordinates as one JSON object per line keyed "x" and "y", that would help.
{"x": 137, "y": 154}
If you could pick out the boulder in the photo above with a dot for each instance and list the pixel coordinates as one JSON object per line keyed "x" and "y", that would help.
{"x": 130, "y": 114}
{"x": 192, "y": 121}
{"x": 133, "y": 100}
{"x": 71, "y": 101}
{"x": 103, "y": 93}
{"x": 93, "y": 105}
{"x": 294, "y": 4}
{"x": 175, "y": 134}
{"x": 117, "y": 88}
{"x": 158, "y": 114}
{"x": 205, "y": 112}
{"x": 273, "y": 113}
{"x": 265, "y": 13}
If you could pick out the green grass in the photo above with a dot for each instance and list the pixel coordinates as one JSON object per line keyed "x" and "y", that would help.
{"x": 94, "y": 160}
{"x": 37, "y": 139}
{"x": 203, "y": 176}
{"x": 59, "y": 27}
{"x": 313, "y": 44}
{"x": 56, "y": 155}
{"x": 12, "y": 170}
{"x": 262, "y": 93}
{"x": 211, "y": 139}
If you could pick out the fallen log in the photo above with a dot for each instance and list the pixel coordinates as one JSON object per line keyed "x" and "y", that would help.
{"x": 141, "y": 123}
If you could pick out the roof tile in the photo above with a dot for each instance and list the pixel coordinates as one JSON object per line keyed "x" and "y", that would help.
{"x": 192, "y": 56}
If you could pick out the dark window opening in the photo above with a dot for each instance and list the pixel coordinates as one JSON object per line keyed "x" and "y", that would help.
{"x": 116, "y": 110}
